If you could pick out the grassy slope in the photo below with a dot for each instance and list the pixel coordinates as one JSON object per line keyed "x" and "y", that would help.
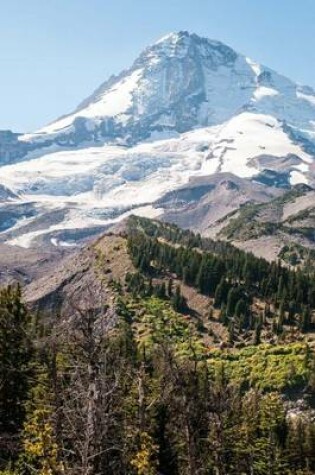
{"x": 267, "y": 367}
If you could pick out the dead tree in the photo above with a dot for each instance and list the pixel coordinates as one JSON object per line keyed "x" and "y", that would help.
{"x": 89, "y": 384}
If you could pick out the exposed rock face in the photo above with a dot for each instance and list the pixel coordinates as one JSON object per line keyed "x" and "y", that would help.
{"x": 204, "y": 202}
{"x": 11, "y": 149}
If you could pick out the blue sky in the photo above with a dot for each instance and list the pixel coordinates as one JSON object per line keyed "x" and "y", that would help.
{"x": 53, "y": 53}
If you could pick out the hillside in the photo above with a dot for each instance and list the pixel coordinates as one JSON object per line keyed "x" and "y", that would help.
{"x": 221, "y": 297}
{"x": 155, "y": 332}
{"x": 205, "y": 202}
{"x": 111, "y": 263}
{"x": 284, "y": 228}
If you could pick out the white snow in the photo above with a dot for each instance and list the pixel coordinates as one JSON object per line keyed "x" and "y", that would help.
{"x": 306, "y": 97}
{"x": 99, "y": 185}
{"x": 264, "y": 91}
{"x": 297, "y": 177}
{"x": 247, "y": 136}
{"x": 229, "y": 87}
{"x": 141, "y": 174}
{"x": 115, "y": 102}
{"x": 76, "y": 221}
{"x": 169, "y": 46}
{"x": 255, "y": 66}
{"x": 303, "y": 167}
{"x": 59, "y": 243}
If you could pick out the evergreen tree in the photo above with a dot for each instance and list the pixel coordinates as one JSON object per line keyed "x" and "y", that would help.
{"x": 170, "y": 288}
{"x": 221, "y": 292}
{"x": 257, "y": 337}
{"x": 306, "y": 319}
{"x": 178, "y": 300}
{"x": 15, "y": 364}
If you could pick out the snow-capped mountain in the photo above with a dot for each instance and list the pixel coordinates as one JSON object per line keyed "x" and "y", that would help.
{"x": 182, "y": 82}
{"x": 188, "y": 106}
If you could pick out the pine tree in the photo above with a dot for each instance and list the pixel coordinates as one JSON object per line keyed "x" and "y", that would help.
{"x": 41, "y": 452}
{"x": 170, "y": 288}
{"x": 305, "y": 319}
{"x": 221, "y": 291}
{"x": 240, "y": 308}
{"x": 178, "y": 300}
{"x": 15, "y": 362}
{"x": 257, "y": 337}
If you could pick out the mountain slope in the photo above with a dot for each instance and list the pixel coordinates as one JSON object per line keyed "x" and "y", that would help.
{"x": 144, "y": 258}
{"x": 284, "y": 228}
{"x": 162, "y": 335}
{"x": 202, "y": 203}
{"x": 187, "y": 107}
{"x": 181, "y": 82}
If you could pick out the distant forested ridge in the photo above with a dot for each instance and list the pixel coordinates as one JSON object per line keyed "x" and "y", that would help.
{"x": 231, "y": 276}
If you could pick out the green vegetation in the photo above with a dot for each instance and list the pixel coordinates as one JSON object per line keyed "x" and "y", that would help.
{"x": 230, "y": 276}
{"x": 245, "y": 226}
{"x": 302, "y": 215}
{"x": 295, "y": 254}
{"x": 237, "y": 229}
{"x": 135, "y": 385}
{"x": 15, "y": 366}
{"x": 147, "y": 397}
{"x": 265, "y": 367}
{"x": 309, "y": 233}
{"x": 249, "y": 225}
{"x": 160, "y": 323}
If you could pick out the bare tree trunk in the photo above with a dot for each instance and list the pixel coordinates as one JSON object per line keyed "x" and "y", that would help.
{"x": 141, "y": 398}
{"x": 91, "y": 440}
{"x": 192, "y": 469}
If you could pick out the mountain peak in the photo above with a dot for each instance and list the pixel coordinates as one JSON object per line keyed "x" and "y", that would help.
{"x": 179, "y": 44}
{"x": 184, "y": 35}
{"x": 173, "y": 36}
{"x": 180, "y": 83}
